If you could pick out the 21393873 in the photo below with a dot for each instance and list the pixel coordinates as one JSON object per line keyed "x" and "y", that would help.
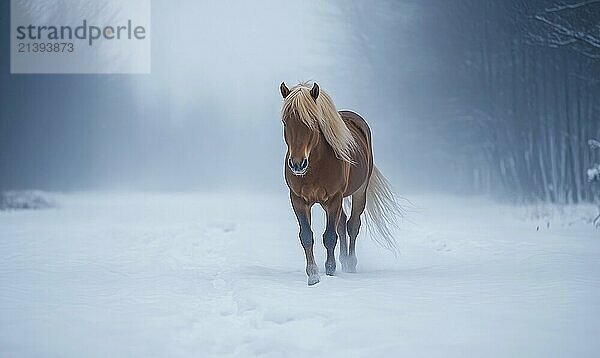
{"x": 46, "y": 47}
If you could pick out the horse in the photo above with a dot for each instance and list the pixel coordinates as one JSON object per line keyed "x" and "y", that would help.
{"x": 330, "y": 157}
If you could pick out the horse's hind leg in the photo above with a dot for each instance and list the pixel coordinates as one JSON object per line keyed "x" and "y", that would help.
{"x": 341, "y": 230}
{"x": 359, "y": 200}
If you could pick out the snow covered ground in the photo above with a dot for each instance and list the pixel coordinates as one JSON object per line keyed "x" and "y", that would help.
{"x": 157, "y": 275}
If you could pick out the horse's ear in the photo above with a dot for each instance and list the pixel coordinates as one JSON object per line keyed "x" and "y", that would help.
{"x": 284, "y": 90}
{"x": 314, "y": 92}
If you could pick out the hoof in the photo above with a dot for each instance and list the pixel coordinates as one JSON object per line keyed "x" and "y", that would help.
{"x": 313, "y": 274}
{"x": 330, "y": 268}
{"x": 349, "y": 265}
{"x": 350, "y": 269}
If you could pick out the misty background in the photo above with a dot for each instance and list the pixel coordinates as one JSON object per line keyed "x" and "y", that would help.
{"x": 470, "y": 97}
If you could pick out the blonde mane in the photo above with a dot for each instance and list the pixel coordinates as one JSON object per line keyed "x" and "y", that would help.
{"x": 321, "y": 115}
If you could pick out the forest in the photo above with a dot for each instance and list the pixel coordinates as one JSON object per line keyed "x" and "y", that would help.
{"x": 529, "y": 95}
{"x": 514, "y": 93}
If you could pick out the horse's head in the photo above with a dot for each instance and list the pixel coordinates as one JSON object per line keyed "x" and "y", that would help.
{"x": 301, "y": 133}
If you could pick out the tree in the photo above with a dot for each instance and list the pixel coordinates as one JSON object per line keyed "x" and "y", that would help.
{"x": 593, "y": 173}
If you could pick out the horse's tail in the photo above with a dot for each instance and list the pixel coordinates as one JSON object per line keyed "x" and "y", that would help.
{"x": 383, "y": 211}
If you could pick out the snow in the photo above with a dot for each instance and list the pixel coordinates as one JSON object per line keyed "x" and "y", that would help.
{"x": 594, "y": 173}
{"x": 25, "y": 199}
{"x": 184, "y": 274}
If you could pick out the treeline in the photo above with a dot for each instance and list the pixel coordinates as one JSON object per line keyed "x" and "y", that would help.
{"x": 527, "y": 94}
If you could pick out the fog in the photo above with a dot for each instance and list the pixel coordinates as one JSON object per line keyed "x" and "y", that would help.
{"x": 431, "y": 78}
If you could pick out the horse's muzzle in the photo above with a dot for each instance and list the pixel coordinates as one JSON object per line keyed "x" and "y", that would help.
{"x": 299, "y": 168}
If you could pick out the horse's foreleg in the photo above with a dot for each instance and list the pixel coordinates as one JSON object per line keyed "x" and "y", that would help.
{"x": 302, "y": 211}
{"x": 333, "y": 208}
{"x": 359, "y": 201}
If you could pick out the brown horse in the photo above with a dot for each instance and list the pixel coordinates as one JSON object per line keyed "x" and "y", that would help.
{"x": 329, "y": 157}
